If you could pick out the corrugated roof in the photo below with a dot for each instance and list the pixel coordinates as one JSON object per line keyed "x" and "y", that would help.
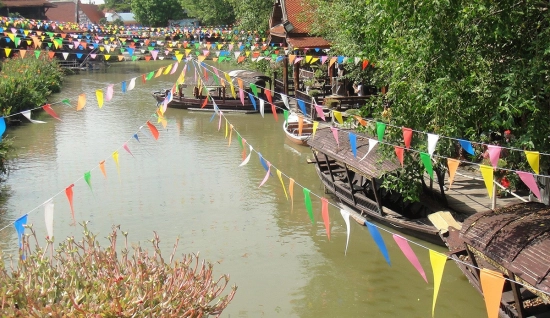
{"x": 27, "y": 3}
{"x": 308, "y": 41}
{"x": 516, "y": 237}
{"x": 373, "y": 165}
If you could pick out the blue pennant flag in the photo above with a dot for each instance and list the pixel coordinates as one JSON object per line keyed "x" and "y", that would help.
{"x": 302, "y": 105}
{"x": 2, "y": 127}
{"x": 19, "y": 227}
{"x": 136, "y": 137}
{"x": 213, "y": 115}
{"x": 340, "y": 59}
{"x": 130, "y": 51}
{"x": 251, "y": 97}
{"x": 124, "y": 86}
{"x": 353, "y": 143}
{"x": 467, "y": 146}
{"x": 379, "y": 240}
{"x": 78, "y": 55}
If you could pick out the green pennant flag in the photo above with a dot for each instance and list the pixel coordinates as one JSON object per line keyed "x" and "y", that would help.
{"x": 285, "y": 113}
{"x": 134, "y": 58}
{"x": 380, "y": 129}
{"x": 197, "y": 45}
{"x": 240, "y": 139}
{"x": 121, "y": 50}
{"x": 17, "y": 40}
{"x": 50, "y": 34}
{"x": 267, "y": 52}
{"x": 309, "y": 208}
{"x": 66, "y": 102}
{"x": 87, "y": 177}
{"x": 59, "y": 42}
{"x": 222, "y": 58}
{"x": 37, "y": 53}
{"x": 217, "y": 80}
{"x": 197, "y": 53}
{"x": 150, "y": 75}
{"x": 274, "y": 56}
{"x": 50, "y": 44}
{"x": 150, "y": 48}
{"x": 254, "y": 89}
{"x": 427, "y": 161}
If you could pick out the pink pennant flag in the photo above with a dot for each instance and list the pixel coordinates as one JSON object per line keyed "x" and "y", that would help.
{"x": 494, "y": 154}
{"x": 320, "y": 112}
{"x": 174, "y": 68}
{"x": 409, "y": 254}
{"x": 530, "y": 182}
{"x": 335, "y": 134}
{"x": 324, "y": 59}
{"x": 407, "y": 136}
{"x": 324, "y": 213}
{"x": 109, "y": 94}
{"x": 267, "y": 174}
{"x": 125, "y": 146}
{"x": 154, "y": 53}
{"x": 241, "y": 95}
{"x": 220, "y": 121}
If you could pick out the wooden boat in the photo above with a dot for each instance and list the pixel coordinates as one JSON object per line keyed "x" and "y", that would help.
{"x": 298, "y": 132}
{"x": 514, "y": 241}
{"x": 222, "y": 95}
{"x": 357, "y": 185}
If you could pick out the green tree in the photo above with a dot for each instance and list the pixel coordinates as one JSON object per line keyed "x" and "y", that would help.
{"x": 118, "y": 5}
{"x": 215, "y": 12}
{"x": 157, "y": 13}
{"x": 464, "y": 69}
{"x": 252, "y": 15}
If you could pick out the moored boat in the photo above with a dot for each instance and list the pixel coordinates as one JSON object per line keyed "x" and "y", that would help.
{"x": 297, "y": 128}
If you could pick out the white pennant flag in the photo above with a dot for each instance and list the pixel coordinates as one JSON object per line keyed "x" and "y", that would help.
{"x": 237, "y": 54}
{"x": 345, "y": 215}
{"x": 285, "y": 100}
{"x": 432, "y": 142}
{"x": 357, "y": 60}
{"x": 247, "y": 159}
{"x": 262, "y": 104}
{"x": 132, "y": 84}
{"x": 48, "y": 216}
{"x": 215, "y": 106}
{"x": 65, "y": 55}
{"x": 27, "y": 113}
{"x": 372, "y": 143}
{"x": 71, "y": 46}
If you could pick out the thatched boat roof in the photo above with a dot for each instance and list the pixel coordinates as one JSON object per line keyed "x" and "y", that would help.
{"x": 374, "y": 165}
{"x": 517, "y": 238}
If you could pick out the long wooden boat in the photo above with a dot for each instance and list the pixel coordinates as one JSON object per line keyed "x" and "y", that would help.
{"x": 297, "y": 132}
{"x": 357, "y": 185}
{"x": 514, "y": 241}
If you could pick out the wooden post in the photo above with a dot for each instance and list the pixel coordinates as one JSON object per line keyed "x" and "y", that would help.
{"x": 376, "y": 196}
{"x": 350, "y": 184}
{"x": 494, "y": 198}
{"x": 285, "y": 75}
{"x": 329, "y": 168}
{"x": 517, "y": 295}
{"x": 296, "y": 77}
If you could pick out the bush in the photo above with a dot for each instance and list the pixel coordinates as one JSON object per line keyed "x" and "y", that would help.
{"x": 83, "y": 279}
{"x": 25, "y": 83}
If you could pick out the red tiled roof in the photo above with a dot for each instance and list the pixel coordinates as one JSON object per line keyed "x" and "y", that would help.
{"x": 308, "y": 42}
{"x": 295, "y": 14}
{"x": 92, "y": 12}
{"x": 278, "y": 30}
{"x": 27, "y": 3}
{"x": 65, "y": 12}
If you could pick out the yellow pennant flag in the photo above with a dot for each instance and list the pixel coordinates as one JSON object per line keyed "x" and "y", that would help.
{"x": 533, "y": 159}
{"x": 226, "y": 128}
{"x": 230, "y": 133}
{"x": 8, "y": 51}
{"x": 308, "y": 58}
{"x": 11, "y": 36}
{"x": 201, "y": 58}
{"x": 164, "y": 122}
{"x": 438, "y": 261}
{"x": 332, "y": 61}
{"x": 115, "y": 158}
{"x": 282, "y": 183}
{"x": 101, "y": 49}
{"x": 491, "y": 283}
{"x": 99, "y": 95}
{"x": 315, "y": 125}
{"x": 228, "y": 78}
{"x": 453, "y": 165}
{"x": 291, "y": 192}
{"x": 187, "y": 51}
{"x": 81, "y": 102}
{"x": 167, "y": 69}
{"x": 179, "y": 56}
{"x": 313, "y": 60}
{"x": 107, "y": 57}
{"x": 487, "y": 173}
{"x": 159, "y": 72}
{"x": 338, "y": 116}
{"x": 220, "y": 46}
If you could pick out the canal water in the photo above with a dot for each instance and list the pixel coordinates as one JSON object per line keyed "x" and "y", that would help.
{"x": 188, "y": 184}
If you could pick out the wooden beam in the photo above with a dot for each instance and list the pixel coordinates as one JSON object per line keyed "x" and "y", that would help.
{"x": 377, "y": 196}
{"x": 350, "y": 184}
{"x": 517, "y": 295}
{"x": 285, "y": 75}
{"x": 329, "y": 168}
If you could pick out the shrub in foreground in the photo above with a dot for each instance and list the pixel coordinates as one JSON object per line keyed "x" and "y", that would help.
{"x": 82, "y": 279}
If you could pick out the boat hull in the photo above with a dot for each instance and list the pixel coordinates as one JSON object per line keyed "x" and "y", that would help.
{"x": 228, "y": 104}
{"x": 291, "y": 129}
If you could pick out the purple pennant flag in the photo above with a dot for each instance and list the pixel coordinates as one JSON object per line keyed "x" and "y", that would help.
{"x": 19, "y": 227}
{"x": 373, "y": 230}
{"x": 409, "y": 254}
{"x": 353, "y": 143}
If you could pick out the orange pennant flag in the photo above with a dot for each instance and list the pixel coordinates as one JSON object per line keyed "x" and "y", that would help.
{"x": 81, "y": 101}
{"x": 102, "y": 167}
{"x": 438, "y": 261}
{"x": 22, "y": 53}
{"x": 205, "y": 102}
{"x": 407, "y": 136}
{"x": 291, "y": 193}
{"x": 453, "y": 165}
{"x": 153, "y": 130}
{"x": 487, "y": 173}
{"x": 51, "y": 54}
{"x": 361, "y": 120}
{"x": 240, "y": 82}
{"x": 69, "y": 193}
{"x": 324, "y": 213}
{"x": 300, "y": 125}
{"x": 399, "y": 152}
{"x": 491, "y": 283}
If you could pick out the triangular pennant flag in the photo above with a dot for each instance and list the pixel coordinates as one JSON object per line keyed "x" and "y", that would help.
{"x": 115, "y": 159}
{"x": 380, "y": 129}
{"x": 20, "y": 228}
{"x": 427, "y": 161}
{"x": 399, "y": 151}
{"x": 494, "y": 154}
{"x": 48, "y": 109}
{"x": 467, "y": 146}
{"x": 407, "y": 136}
{"x": 291, "y": 192}
{"x": 491, "y": 283}
{"x": 125, "y": 146}
{"x": 533, "y": 157}
{"x": 123, "y": 88}
{"x": 132, "y": 84}
{"x": 302, "y": 106}
{"x": 353, "y": 143}
{"x": 254, "y": 89}
{"x": 320, "y": 112}
{"x": 99, "y": 96}
{"x": 102, "y": 168}
{"x": 438, "y": 261}
{"x": 324, "y": 214}
{"x": 153, "y": 130}
{"x": 81, "y": 101}
{"x": 251, "y": 97}
{"x": 48, "y": 217}
{"x": 267, "y": 174}
{"x": 69, "y": 194}
{"x": 282, "y": 183}
{"x": 109, "y": 94}
{"x": 432, "y": 142}
{"x": 2, "y": 127}
{"x": 241, "y": 95}
{"x": 7, "y": 51}
{"x": 285, "y": 100}
{"x": 409, "y": 254}
{"x": 262, "y": 107}
{"x": 335, "y": 135}
{"x": 345, "y": 216}
{"x": 88, "y": 179}
{"x": 309, "y": 208}
{"x": 487, "y": 174}
{"x": 27, "y": 114}
{"x": 377, "y": 237}
{"x": 315, "y": 126}
{"x": 530, "y": 182}
{"x": 372, "y": 144}
{"x": 338, "y": 116}
{"x": 452, "y": 164}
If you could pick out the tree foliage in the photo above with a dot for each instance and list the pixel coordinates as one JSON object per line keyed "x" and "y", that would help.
{"x": 214, "y": 12}
{"x": 157, "y": 13}
{"x": 118, "y": 5}
{"x": 464, "y": 69}
{"x": 252, "y": 15}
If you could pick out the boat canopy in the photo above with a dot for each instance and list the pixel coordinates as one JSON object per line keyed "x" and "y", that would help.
{"x": 516, "y": 238}
{"x": 374, "y": 165}
{"x": 249, "y": 76}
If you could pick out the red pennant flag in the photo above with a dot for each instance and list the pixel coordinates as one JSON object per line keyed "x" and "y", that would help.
{"x": 143, "y": 78}
{"x": 153, "y": 130}
{"x": 205, "y": 102}
{"x": 51, "y": 54}
{"x": 69, "y": 193}
{"x": 268, "y": 95}
{"x": 399, "y": 153}
{"x": 48, "y": 109}
{"x": 365, "y": 64}
{"x": 407, "y": 136}
{"x": 148, "y": 58}
{"x": 205, "y": 74}
{"x": 324, "y": 213}
{"x": 274, "y": 111}
{"x": 240, "y": 59}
